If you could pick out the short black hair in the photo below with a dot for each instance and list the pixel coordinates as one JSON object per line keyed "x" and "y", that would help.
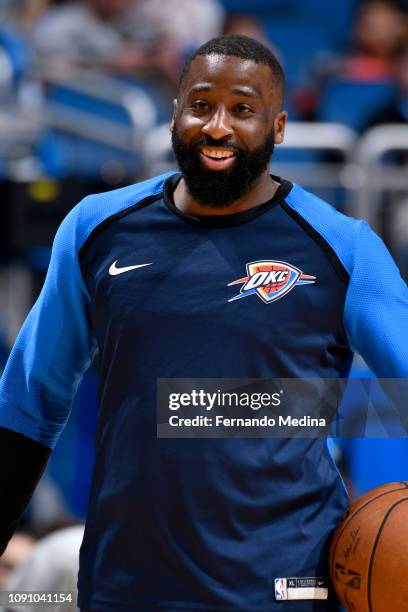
{"x": 243, "y": 47}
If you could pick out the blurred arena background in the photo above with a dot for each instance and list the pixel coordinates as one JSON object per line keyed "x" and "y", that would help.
{"x": 85, "y": 99}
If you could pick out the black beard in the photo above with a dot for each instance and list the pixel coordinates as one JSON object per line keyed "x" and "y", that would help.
{"x": 220, "y": 188}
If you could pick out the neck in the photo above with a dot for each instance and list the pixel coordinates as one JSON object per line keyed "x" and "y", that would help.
{"x": 261, "y": 191}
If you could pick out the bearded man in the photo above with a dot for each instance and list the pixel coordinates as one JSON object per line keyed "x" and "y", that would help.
{"x": 218, "y": 271}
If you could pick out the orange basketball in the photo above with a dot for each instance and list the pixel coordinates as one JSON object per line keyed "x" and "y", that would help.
{"x": 369, "y": 552}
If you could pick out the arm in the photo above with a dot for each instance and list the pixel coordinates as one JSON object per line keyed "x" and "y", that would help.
{"x": 376, "y": 308}
{"x": 51, "y": 353}
{"x": 23, "y": 461}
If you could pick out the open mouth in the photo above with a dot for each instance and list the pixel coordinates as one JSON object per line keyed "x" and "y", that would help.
{"x": 217, "y": 158}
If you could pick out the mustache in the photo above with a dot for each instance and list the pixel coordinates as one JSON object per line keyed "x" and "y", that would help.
{"x": 207, "y": 141}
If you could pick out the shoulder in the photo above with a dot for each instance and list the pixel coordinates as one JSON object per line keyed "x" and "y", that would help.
{"x": 339, "y": 231}
{"x": 97, "y": 208}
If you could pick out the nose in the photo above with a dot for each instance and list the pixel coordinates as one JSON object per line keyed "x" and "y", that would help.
{"x": 218, "y": 126}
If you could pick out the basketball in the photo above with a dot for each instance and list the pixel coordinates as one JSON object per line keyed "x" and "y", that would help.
{"x": 369, "y": 552}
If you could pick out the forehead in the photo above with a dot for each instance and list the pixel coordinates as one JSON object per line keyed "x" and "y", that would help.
{"x": 226, "y": 74}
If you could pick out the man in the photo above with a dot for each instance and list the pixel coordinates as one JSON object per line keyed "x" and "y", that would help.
{"x": 146, "y": 275}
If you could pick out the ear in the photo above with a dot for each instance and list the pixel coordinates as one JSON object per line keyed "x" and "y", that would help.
{"x": 279, "y": 125}
{"x": 173, "y": 116}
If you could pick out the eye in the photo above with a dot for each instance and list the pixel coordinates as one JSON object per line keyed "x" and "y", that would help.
{"x": 199, "y": 106}
{"x": 243, "y": 109}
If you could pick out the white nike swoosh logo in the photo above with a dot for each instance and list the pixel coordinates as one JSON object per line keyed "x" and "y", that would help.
{"x": 113, "y": 270}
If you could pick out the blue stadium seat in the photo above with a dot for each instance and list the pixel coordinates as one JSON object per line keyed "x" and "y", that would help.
{"x": 300, "y": 30}
{"x": 16, "y": 48}
{"x": 332, "y": 17}
{"x": 262, "y": 8}
{"x": 335, "y": 18}
{"x": 353, "y": 103}
{"x": 300, "y": 44}
{"x": 82, "y": 147}
{"x": 62, "y": 155}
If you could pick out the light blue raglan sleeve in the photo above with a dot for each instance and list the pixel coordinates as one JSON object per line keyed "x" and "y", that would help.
{"x": 376, "y": 307}
{"x": 53, "y": 348}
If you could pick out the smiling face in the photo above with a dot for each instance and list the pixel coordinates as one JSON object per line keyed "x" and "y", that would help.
{"x": 226, "y": 121}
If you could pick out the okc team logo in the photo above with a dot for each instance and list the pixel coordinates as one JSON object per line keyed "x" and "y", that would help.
{"x": 270, "y": 280}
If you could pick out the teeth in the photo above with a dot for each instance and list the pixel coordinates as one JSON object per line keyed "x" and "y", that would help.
{"x": 217, "y": 153}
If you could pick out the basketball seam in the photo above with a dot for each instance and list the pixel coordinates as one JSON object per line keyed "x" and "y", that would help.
{"x": 354, "y": 514}
{"x": 377, "y": 539}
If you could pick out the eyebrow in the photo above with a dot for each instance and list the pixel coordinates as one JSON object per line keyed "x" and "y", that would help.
{"x": 200, "y": 87}
{"x": 245, "y": 90}
{"x": 242, "y": 90}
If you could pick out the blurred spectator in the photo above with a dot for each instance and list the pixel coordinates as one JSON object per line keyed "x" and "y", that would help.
{"x": 184, "y": 24}
{"x": 52, "y": 567}
{"x": 94, "y": 33}
{"x": 380, "y": 32}
{"x": 17, "y": 552}
{"x": 396, "y": 111}
{"x": 131, "y": 37}
{"x": 7, "y": 10}
{"x": 248, "y": 25}
{"x": 378, "y": 35}
{"x": 47, "y": 510}
{"x": 28, "y": 11}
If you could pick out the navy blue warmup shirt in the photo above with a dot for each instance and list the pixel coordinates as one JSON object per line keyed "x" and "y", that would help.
{"x": 201, "y": 524}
